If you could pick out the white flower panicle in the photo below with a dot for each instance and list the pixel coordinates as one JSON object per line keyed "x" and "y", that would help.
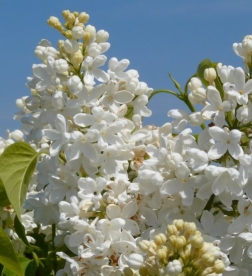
{"x": 110, "y": 186}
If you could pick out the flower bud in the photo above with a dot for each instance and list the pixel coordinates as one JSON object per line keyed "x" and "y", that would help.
{"x": 162, "y": 254}
{"x": 17, "y": 135}
{"x": 179, "y": 223}
{"x": 144, "y": 245}
{"x": 171, "y": 230}
{"x": 70, "y": 19}
{"x": 65, "y": 13}
{"x": 77, "y": 58}
{"x": 68, "y": 34}
{"x": 189, "y": 227}
{"x": 160, "y": 239}
{"x": 91, "y": 30}
{"x": 101, "y": 36}
{"x": 174, "y": 268}
{"x": 194, "y": 83}
{"x": 207, "y": 259}
{"x": 78, "y": 32}
{"x": 83, "y": 17}
{"x": 52, "y": 21}
{"x": 135, "y": 261}
{"x": 218, "y": 267}
{"x": 247, "y": 43}
{"x": 71, "y": 46}
{"x": 199, "y": 94}
{"x": 181, "y": 241}
{"x": 173, "y": 240}
{"x": 210, "y": 75}
{"x": 60, "y": 65}
{"x": 197, "y": 241}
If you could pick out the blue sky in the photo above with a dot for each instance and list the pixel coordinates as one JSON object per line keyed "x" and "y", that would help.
{"x": 156, "y": 36}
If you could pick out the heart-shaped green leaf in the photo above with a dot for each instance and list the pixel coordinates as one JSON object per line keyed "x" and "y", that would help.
{"x": 8, "y": 257}
{"x": 4, "y": 201}
{"x": 17, "y": 164}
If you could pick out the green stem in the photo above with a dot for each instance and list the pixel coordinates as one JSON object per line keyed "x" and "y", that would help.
{"x": 163, "y": 91}
{"x": 53, "y": 248}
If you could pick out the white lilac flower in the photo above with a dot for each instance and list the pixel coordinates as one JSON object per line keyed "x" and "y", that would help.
{"x": 92, "y": 189}
{"x": 60, "y": 136}
{"x": 98, "y": 115}
{"x": 92, "y": 71}
{"x": 83, "y": 144}
{"x": 139, "y": 106}
{"x": 125, "y": 212}
{"x": 226, "y": 73}
{"x": 216, "y": 109}
{"x": 228, "y": 141}
{"x": 184, "y": 183}
{"x": 116, "y": 69}
{"x": 114, "y": 97}
{"x": 240, "y": 88}
{"x": 182, "y": 118}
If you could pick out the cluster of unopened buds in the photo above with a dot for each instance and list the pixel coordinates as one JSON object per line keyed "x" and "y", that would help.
{"x": 181, "y": 251}
{"x": 106, "y": 187}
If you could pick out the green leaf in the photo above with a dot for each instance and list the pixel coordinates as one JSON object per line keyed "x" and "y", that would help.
{"x": 19, "y": 228}
{"x": 17, "y": 164}
{"x": 31, "y": 269}
{"x": 4, "y": 201}
{"x": 176, "y": 84}
{"x": 8, "y": 257}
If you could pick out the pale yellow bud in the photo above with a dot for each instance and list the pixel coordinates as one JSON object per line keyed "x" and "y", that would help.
{"x": 153, "y": 245}
{"x": 181, "y": 241}
{"x": 197, "y": 241}
{"x": 76, "y": 14}
{"x": 162, "y": 254}
{"x": 173, "y": 240}
{"x": 77, "y": 58}
{"x": 87, "y": 38}
{"x": 144, "y": 245}
{"x": 52, "y": 21}
{"x": 210, "y": 75}
{"x": 68, "y": 34}
{"x": 160, "y": 239}
{"x": 65, "y": 13}
{"x": 179, "y": 223}
{"x": 218, "y": 267}
{"x": 171, "y": 230}
{"x": 83, "y": 17}
{"x": 207, "y": 259}
{"x": 70, "y": 18}
{"x": 189, "y": 227}
{"x": 58, "y": 26}
{"x": 61, "y": 46}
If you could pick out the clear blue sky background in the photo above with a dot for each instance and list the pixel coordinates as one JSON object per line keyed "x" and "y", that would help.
{"x": 156, "y": 36}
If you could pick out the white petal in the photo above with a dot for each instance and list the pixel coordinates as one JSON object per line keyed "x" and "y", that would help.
{"x": 84, "y": 119}
{"x": 217, "y": 150}
{"x": 235, "y": 151}
{"x": 237, "y": 226}
{"x": 213, "y": 96}
{"x": 123, "y": 96}
{"x": 218, "y": 133}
